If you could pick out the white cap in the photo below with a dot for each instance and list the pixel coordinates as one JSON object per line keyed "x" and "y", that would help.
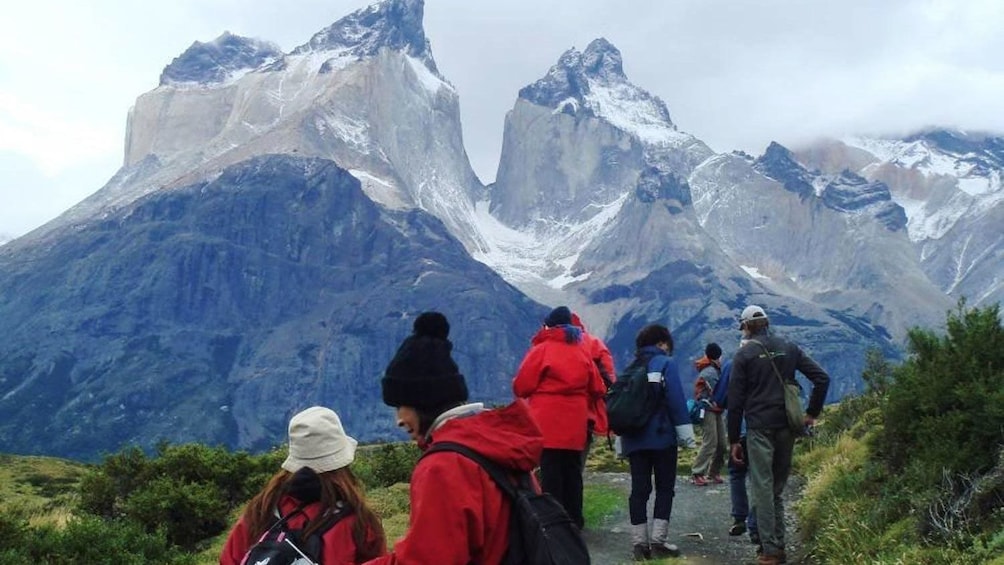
{"x": 318, "y": 441}
{"x": 751, "y": 312}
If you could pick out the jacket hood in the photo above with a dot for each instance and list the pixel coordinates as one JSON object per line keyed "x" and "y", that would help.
{"x": 704, "y": 363}
{"x": 506, "y": 435}
{"x": 566, "y": 334}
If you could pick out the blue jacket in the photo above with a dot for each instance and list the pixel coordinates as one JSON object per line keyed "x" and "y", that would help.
{"x": 660, "y": 432}
{"x": 721, "y": 393}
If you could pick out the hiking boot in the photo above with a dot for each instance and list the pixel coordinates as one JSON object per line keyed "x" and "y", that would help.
{"x": 717, "y": 479}
{"x": 663, "y": 550}
{"x": 764, "y": 559}
{"x": 641, "y": 552}
{"x": 738, "y": 528}
{"x": 699, "y": 481}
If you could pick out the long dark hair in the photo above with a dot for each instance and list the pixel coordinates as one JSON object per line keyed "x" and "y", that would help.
{"x": 337, "y": 486}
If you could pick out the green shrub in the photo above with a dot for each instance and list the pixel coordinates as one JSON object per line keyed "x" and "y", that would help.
{"x": 85, "y": 540}
{"x": 911, "y": 471}
{"x": 189, "y": 491}
{"x": 945, "y": 410}
{"x": 188, "y": 512}
{"x": 385, "y": 464}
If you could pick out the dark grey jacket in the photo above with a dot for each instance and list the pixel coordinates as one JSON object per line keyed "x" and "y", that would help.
{"x": 754, "y": 391}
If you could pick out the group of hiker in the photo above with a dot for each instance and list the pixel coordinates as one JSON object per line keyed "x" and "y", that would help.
{"x": 474, "y": 497}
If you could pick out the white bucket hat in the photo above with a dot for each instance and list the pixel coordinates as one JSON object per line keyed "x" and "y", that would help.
{"x": 318, "y": 441}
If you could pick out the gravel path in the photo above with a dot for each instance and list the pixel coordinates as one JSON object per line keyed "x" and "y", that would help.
{"x": 696, "y": 510}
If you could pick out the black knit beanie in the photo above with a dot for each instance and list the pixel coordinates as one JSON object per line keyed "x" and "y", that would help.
{"x": 713, "y": 351}
{"x": 422, "y": 373}
{"x": 560, "y": 316}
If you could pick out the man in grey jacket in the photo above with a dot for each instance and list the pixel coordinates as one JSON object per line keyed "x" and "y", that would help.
{"x": 756, "y": 394}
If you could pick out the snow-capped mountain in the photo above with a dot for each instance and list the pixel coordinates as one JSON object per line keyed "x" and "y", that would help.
{"x": 613, "y": 209}
{"x": 364, "y": 92}
{"x": 949, "y": 185}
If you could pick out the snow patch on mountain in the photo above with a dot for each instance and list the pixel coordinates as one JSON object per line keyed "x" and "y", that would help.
{"x": 631, "y": 109}
{"x": 979, "y": 183}
{"x": 545, "y": 254}
{"x": 754, "y": 272}
{"x": 593, "y": 82}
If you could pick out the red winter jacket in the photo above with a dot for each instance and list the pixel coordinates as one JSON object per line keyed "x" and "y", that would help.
{"x": 605, "y": 363}
{"x": 459, "y": 516}
{"x": 560, "y": 380}
{"x": 338, "y": 545}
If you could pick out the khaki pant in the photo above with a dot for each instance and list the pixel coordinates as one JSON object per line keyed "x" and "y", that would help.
{"x": 770, "y": 452}
{"x": 711, "y": 457}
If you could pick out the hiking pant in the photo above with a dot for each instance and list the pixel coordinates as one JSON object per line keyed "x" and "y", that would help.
{"x": 711, "y": 457}
{"x": 644, "y": 463}
{"x": 561, "y": 476}
{"x": 737, "y": 491}
{"x": 770, "y": 452}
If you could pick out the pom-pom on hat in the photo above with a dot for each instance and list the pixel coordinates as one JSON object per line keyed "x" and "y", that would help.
{"x": 318, "y": 441}
{"x": 560, "y": 316}
{"x": 422, "y": 373}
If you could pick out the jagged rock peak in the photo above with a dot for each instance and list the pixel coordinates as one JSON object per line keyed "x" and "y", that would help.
{"x": 963, "y": 144}
{"x": 571, "y": 77}
{"x": 592, "y": 84}
{"x": 396, "y": 24}
{"x": 779, "y": 163}
{"x": 218, "y": 60}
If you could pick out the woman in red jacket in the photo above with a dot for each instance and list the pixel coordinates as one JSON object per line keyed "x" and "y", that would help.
{"x": 459, "y": 516}
{"x": 316, "y": 477}
{"x": 559, "y": 379}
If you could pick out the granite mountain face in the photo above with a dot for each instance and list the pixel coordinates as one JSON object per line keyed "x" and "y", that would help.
{"x": 280, "y": 219}
{"x": 950, "y": 185}
{"x": 213, "y": 312}
{"x": 635, "y": 221}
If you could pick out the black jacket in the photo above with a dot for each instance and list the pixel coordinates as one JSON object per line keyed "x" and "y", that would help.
{"x": 754, "y": 391}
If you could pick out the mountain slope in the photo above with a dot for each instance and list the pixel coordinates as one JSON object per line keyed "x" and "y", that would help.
{"x": 364, "y": 92}
{"x": 950, "y": 186}
{"x": 213, "y": 312}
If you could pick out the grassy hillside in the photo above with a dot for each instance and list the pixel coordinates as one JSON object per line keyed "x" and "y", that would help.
{"x": 43, "y": 489}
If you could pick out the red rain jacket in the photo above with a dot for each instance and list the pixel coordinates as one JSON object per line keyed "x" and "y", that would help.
{"x": 459, "y": 516}
{"x": 560, "y": 380}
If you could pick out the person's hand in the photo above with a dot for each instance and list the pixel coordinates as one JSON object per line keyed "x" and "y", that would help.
{"x": 809, "y": 421}
{"x": 737, "y": 454}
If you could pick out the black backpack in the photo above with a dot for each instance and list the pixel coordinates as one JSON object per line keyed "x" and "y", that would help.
{"x": 632, "y": 400}
{"x": 540, "y": 531}
{"x": 280, "y": 545}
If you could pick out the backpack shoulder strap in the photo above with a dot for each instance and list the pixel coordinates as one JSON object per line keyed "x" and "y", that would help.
{"x": 494, "y": 470}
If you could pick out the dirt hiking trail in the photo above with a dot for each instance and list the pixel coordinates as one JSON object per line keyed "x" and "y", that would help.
{"x": 696, "y": 510}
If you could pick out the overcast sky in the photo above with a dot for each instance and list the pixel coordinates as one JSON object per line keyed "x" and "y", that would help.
{"x": 737, "y": 74}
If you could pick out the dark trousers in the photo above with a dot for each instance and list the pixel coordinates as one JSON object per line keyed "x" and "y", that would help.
{"x": 561, "y": 476}
{"x": 644, "y": 464}
{"x": 737, "y": 491}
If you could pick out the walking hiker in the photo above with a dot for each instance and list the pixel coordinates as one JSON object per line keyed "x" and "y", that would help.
{"x": 654, "y": 450}
{"x": 459, "y": 515}
{"x": 316, "y": 492}
{"x": 711, "y": 457}
{"x": 597, "y": 413}
{"x": 560, "y": 381}
{"x": 743, "y": 519}
{"x": 761, "y": 369}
